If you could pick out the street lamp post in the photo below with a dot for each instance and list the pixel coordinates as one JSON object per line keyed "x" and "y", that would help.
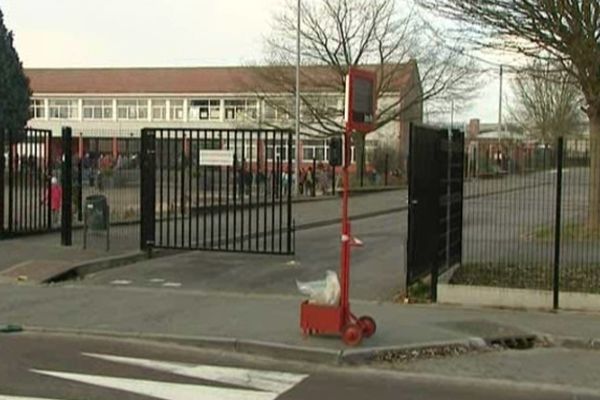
{"x": 297, "y": 163}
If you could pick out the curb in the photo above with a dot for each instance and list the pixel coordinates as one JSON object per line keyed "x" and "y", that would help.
{"x": 575, "y": 343}
{"x": 101, "y": 264}
{"x": 276, "y": 350}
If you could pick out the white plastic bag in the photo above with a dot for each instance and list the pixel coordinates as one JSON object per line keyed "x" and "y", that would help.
{"x": 324, "y": 292}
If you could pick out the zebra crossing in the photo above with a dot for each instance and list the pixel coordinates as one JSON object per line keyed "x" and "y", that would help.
{"x": 232, "y": 383}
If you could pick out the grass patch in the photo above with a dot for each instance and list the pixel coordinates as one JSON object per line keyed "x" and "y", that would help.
{"x": 570, "y": 232}
{"x": 584, "y": 279}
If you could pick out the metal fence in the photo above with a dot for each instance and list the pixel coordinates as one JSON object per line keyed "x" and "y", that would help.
{"x": 225, "y": 190}
{"x": 27, "y": 199}
{"x": 526, "y": 219}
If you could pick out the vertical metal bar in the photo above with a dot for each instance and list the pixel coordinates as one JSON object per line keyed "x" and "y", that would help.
{"x": 36, "y": 196}
{"x": 204, "y": 188}
{"x": 235, "y": 188}
{"x": 257, "y": 181}
{"x": 362, "y": 162}
{"x": 333, "y": 180}
{"x": 30, "y": 185}
{"x": 212, "y": 194}
{"x": 385, "y": 179}
{"x": 21, "y": 191}
{"x": 190, "y": 187}
{"x": 198, "y": 208}
{"x": 227, "y": 200}
{"x": 176, "y": 189}
{"x": 183, "y": 139}
{"x": 33, "y": 187}
{"x": 266, "y": 185}
{"x": 243, "y": 186}
{"x": 11, "y": 183}
{"x": 273, "y": 189}
{"x": 314, "y": 178}
{"x": 169, "y": 188}
{"x": 220, "y": 191}
{"x": 289, "y": 196}
{"x": 280, "y": 169}
{"x": 66, "y": 227}
{"x": 557, "y": 227}
{"x": 251, "y": 181}
{"x": 2, "y": 171}
{"x": 48, "y": 178}
{"x": 148, "y": 189}
{"x": 161, "y": 190}
{"x": 27, "y": 192}
{"x": 80, "y": 190}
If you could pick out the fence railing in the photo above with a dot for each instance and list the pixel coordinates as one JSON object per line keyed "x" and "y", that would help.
{"x": 529, "y": 226}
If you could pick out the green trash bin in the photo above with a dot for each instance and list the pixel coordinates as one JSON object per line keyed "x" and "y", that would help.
{"x": 96, "y": 209}
{"x": 96, "y": 217}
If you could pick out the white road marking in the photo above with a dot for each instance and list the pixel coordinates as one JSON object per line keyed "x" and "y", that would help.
{"x": 172, "y": 284}
{"x": 121, "y": 282}
{"x": 157, "y": 280}
{"x": 3, "y": 397}
{"x": 271, "y": 381}
{"x": 163, "y": 390}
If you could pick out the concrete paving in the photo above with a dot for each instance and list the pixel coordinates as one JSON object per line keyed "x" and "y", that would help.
{"x": 273, "y": 320}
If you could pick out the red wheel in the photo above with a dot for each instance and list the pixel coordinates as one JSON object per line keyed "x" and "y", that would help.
{"x": 368, "y": 325}
{"x": 352, "y": 334}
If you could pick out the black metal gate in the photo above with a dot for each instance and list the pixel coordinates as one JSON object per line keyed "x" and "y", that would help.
{"x": 26, "y": 172}
{"x": 222, "y": 190}
{"x": 436, "y": 168}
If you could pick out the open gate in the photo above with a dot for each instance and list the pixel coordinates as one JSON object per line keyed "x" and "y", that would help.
{"x": 26, "y": 169}
{"x": 221, "y": 190}
{"x": 435, "y": 193}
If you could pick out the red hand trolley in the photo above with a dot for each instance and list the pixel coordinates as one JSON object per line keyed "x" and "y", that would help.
{"x": 328, "y": 320}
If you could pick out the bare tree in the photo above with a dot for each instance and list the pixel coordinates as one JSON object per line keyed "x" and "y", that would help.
{"x": 567, "y": 32}
{"x": 547, "y": 102}
{"x": 413, "y": 64}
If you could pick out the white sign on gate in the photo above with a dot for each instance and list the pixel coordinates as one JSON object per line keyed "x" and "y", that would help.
{"x": 222, "y": 158}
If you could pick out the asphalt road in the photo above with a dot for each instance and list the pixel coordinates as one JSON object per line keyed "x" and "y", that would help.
{"x": 377, "y": 267}
{"x": 71, "y": 368}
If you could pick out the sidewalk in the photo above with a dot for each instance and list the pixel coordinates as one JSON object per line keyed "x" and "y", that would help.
{"x": 269, "y": 324}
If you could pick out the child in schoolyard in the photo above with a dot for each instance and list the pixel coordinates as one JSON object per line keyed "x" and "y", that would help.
{"x": 55, "y": 200}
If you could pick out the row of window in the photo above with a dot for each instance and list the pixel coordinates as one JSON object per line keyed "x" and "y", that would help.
{"x": 163, "y": 110}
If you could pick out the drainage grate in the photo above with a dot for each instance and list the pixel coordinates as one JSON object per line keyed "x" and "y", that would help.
{"x": 514, "y": 342}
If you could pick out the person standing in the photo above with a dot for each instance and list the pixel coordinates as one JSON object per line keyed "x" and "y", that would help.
{"x": 55, "y": 198}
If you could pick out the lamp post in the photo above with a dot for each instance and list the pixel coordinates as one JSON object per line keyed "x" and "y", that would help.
{"x": 297, "y": 140}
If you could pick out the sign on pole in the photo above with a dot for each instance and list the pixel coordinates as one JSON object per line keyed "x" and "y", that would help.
{"x": 218, "y": 158}
{"x": 361, "y": 100}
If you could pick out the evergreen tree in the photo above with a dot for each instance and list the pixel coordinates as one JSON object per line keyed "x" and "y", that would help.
{"x": 14, "y": 85}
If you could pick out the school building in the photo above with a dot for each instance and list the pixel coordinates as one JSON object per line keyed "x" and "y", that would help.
{"x": 108, "y": 107}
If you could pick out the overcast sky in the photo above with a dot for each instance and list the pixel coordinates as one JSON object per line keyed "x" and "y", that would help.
{"x": 149, "y": 33}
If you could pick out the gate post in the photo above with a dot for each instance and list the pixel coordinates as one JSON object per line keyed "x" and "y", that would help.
{"x": 2, "y": 166}
{"x": 66, "y": 226}
{"x": 148, "y": 189}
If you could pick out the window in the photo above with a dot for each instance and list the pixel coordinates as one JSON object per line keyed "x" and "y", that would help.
{"x": 63, "y": 109}
{"x": 277, "y": 110}
{"x": 241, "y": 109}
{"x": 37, "y": 109}
{"x": 314, "y": 150}
{"x": 205, "y": 109}
{"x": 322, "y": 107}
{"x": 132, "y": 109}
{"x": 97, "y": 109}
{"x": 176, "y": 110}
{"x": 159, "y": 110}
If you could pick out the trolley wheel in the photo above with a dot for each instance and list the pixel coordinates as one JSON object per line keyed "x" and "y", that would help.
{"x": 368, "y": 325}
{"x": 352, "y": 334}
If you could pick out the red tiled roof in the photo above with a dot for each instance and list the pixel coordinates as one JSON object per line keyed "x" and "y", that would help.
{"x": 180, "y": 80}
